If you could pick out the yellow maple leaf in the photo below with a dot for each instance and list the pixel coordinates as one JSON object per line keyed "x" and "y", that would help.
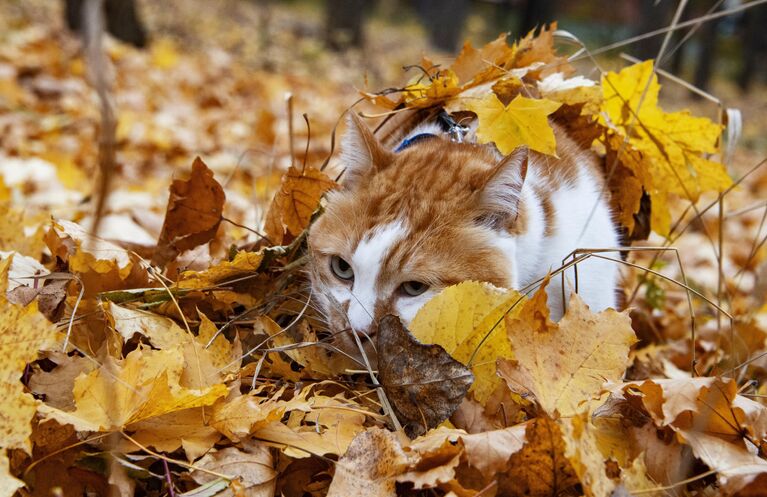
{"x": 523, "y": 122}
{"x": 120, "y": 392}
{"x": 465, "y": 318}
{"x": 674, "y": 144}
{"x": 441, "y": 87}
{"x": 565, "y": 364}
{"x": 23, "y": 332}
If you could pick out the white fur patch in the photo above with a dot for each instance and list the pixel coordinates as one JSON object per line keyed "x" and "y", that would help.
{"x": 366, "y": 262}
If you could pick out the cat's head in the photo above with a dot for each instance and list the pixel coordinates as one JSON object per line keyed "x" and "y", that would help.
{"x": 408, "y": 224}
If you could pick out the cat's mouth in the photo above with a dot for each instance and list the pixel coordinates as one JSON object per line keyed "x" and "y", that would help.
{"x": 357, "y": 346}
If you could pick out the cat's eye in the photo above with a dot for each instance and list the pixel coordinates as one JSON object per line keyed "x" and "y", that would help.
{"x": 414, "y": 288}
{"x": 341, "y": 268}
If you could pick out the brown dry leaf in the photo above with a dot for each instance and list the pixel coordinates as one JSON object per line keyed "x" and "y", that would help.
{"x": 489, "y": 451}
{"x": 708, "y": 405}
{"x": 252, "y": 470}
{"x": 485, "y": 64}
{"x": 539, "y": 49}
{"x": 57, "y": 384}
{"x": 467, "y": 320}
{"x": 194, "y": 212}
{"x": 735, "y": 465}
{"x": 422, "y": 382}
{"x": 121, "y": 392}
{"x": 100, "y": 265}
{"x": 224, "y": 355}
{"x": 23, "y": 332}
{"x": 370, "y": 466}
{"x": 434, "y": 467}
{"x": 565, "y": 364}
{"x": 293, "y": 206}
{"x": 540, "y": 468}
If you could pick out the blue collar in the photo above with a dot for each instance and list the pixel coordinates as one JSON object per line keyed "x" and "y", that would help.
{"x": 410, "y": 141}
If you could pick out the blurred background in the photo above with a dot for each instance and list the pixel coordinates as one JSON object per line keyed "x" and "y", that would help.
{"x": 211, "y": 78}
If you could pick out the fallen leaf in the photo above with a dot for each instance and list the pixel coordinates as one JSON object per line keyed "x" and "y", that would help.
{"x": 565, "y": 364}
{"x": 99, "y": 264}
{"x": 120, "y": 392}
{"x": 422, "y": 382}
{"x": 540, "y": 467}
{"x": 467, "y": 321}
{"x": 194, "y": 212}
{"x": 521, "y": 123}
{"x": 243, "y": 264}
{"x": 440, "y": 87}
{"x": 293, "y": 206}
{"x": 188, "y": 429}
{"x": 162, "y": 332}
{"x": 58, "y": 383}
{"x": 434, "y": 467}
{"x": 736, "y": 467}
{"x": 582, "y": 449}
{"x": 370, "y": 466}
{"x": 675, "y": 143}
{"x": 252, "y": 470}
{"x": 23, "y": 333}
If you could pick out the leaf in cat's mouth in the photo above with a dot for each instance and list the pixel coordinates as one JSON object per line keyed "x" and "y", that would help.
{"x": 423, "y": 382}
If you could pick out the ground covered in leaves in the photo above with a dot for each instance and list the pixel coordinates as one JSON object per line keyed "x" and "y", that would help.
{"x": 177, "y": 352}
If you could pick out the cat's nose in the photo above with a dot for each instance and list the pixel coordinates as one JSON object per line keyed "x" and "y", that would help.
{"x": 360, "y": 316}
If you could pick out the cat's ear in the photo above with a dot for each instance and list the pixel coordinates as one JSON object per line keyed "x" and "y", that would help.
{"x": 361, "y": 152}
{"x": 501, "y": 190}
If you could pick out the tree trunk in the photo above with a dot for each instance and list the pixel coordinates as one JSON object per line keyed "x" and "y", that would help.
{"x": 443, "y": 20}
{"x": 536, "y": 14}
{"x": 122, "y": 20}
{"x": 754, "y": 45}
{"x": 344, "y": 23}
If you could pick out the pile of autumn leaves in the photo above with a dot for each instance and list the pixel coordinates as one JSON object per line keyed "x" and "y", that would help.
{"x": 120, "y": 378}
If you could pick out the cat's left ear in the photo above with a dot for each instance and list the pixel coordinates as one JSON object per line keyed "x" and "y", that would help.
{"x": 361, "y": 152}
{"x": 502, "y": 188}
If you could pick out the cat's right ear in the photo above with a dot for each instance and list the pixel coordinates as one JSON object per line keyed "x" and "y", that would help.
{"x": 361, "y": 152}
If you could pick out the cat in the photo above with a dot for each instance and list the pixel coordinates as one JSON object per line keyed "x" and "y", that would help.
{"x": 435, "y": 211}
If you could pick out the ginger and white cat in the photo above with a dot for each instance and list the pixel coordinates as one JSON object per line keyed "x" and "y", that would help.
{"x": 433, "y": 212}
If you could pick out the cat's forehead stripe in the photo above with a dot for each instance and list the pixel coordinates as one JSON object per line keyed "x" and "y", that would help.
{"x": 367, "y": 261}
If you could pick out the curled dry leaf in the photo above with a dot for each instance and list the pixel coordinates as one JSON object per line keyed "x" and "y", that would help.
{"x": 370, "y": 466}
{"x": 293, "y": 206}
{"x": 194, "y": 212}
{"x": 736, "y": 466}
{"x": 100, "y": 265}
{"x": 251, "y": 470}
{"x": 564, "y": 365}
{"x": 422, "y": 382}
